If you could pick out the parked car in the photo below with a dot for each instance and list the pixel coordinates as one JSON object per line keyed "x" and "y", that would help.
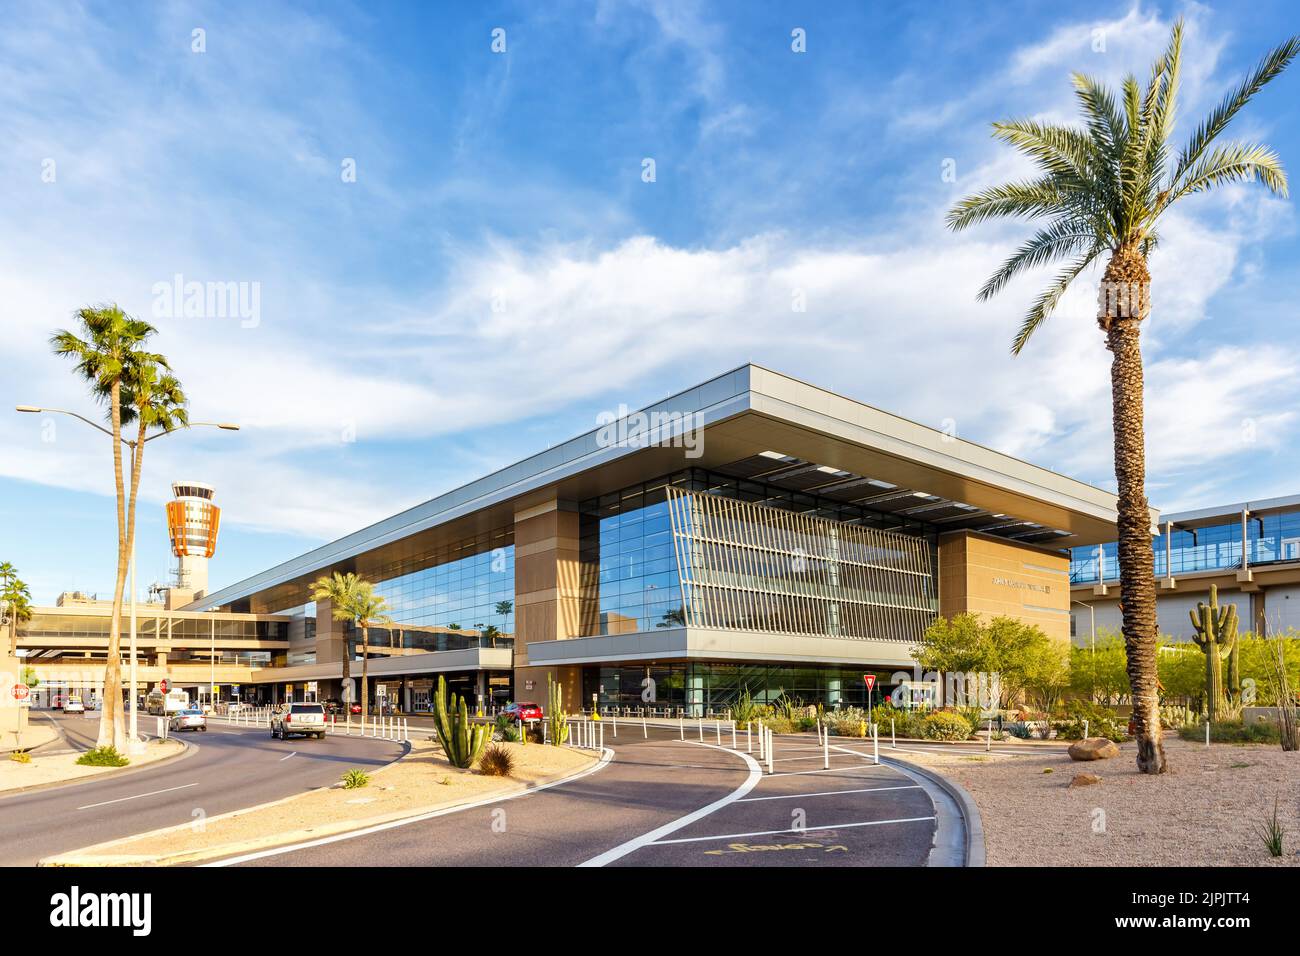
{"x": 73, "y": 705}
{"x": 523, "y": 710}
{"x": 191, "y": 718}
{"x": 305, "y": 719}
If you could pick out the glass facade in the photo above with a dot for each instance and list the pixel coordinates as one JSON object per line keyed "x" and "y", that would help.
{"x": 459, "y": 596}
{"x": 1270, "y": 538}
{"x": 713, "y": 687}
{"x": 782, "y": 566}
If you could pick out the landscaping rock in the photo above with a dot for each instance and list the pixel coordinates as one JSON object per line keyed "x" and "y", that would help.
{"x": 1084, "y": 780}
{"x": 1094, "y": 748}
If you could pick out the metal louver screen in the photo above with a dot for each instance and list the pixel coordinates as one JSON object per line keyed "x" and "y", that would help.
{"x": 747, "y": 567}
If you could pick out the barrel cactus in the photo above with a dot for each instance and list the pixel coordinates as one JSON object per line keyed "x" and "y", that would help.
{"x": 1216, "y": 636}
{"x": 555, "y": 716}
{"x": 462, "y": 741}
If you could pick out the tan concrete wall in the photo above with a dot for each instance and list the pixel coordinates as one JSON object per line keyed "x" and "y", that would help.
{"x": 551, "y": 602}
{"x": 994, "y": 577}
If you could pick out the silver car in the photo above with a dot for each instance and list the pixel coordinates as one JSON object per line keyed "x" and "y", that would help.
{"x": 305, "y": 719}
{"x": 191, "y": 718}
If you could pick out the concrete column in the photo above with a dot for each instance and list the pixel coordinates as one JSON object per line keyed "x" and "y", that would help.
{"x": 552, "y": 600}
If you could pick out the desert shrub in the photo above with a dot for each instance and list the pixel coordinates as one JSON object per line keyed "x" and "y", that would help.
{"x": 945, "y": 725}
{"x": 1020, "y": 731}
{"x": 847, "y": 722}
{"x": 781, "y": 725}
{"x": 744, "y": 710}
{"x": 103, "y": 757}
{"x": 355, "y": 779}
{"x": 1101, "y": 721}
{"x": 806, "y": 722}
{"x": 497, "y": 761}
{"x": 1234, "y": 732}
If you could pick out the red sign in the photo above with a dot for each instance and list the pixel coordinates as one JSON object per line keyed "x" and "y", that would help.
{"x": 162, "y": 685}
{"x": 20, "y": 691}
{"x": 870, "y": 681}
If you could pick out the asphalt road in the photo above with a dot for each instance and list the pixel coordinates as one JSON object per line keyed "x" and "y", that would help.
{"x": 667, "y": 802}
{"x": 230, "y": 768}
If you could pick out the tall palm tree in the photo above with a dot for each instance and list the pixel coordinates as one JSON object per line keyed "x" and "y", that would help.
{"x": 340, "y": 590}
{"x": 110, "y": 340}
{"x": 1102, "y": 188}
{"x": 15, "y": 602}
{"x": 371, "y": 610}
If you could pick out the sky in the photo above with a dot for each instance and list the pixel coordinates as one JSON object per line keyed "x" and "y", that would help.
{"x": 452, "y": 253}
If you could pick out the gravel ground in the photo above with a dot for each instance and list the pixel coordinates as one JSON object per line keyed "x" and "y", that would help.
{"x": 63, "y": 767}
{"x": 1205, "y": 812}
{"x": 419, "y": 782}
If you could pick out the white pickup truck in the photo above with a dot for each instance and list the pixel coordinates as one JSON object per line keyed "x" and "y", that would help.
{"x": 305, "y": 719}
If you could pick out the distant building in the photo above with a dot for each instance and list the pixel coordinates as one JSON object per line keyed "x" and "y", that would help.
{"x": 1250, "y": 550}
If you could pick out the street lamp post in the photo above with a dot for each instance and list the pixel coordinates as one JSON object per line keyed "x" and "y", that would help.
{"x": 224, "y": 426}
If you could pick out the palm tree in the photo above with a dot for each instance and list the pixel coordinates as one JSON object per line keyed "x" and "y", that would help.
{"x": 369, "y": 609}
{"x": 340, "y": 591}
{"x": 1102, "y": 188}
{"x": 15, "y": 602}
{"x": 111, "y": 344}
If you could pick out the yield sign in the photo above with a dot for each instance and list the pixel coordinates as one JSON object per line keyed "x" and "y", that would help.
{"x": 870, "y": 680}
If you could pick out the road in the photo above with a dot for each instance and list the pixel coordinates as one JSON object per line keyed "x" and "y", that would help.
{"x": 663, "y": 801}
{"x": 231, "y": 768}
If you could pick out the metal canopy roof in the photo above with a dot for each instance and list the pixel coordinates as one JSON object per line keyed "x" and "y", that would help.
{"x": 796, "y": 474}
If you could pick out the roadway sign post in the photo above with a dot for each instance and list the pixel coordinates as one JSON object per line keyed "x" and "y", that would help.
{"x": 870, "y": 681}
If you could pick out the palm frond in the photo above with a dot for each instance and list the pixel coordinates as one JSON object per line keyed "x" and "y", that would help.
{"x": 1033, "y": 198}
{"x": 1235, "y": 162}
{"x": 1268, "y": 69}
{"x": 1046, "y": 303}
{"x": 1063, "y": 238}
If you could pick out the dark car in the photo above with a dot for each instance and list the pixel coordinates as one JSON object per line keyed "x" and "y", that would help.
{"x": 523, "y": 711}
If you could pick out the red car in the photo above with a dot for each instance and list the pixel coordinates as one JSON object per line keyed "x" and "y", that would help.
{"x": 523, "y": 711}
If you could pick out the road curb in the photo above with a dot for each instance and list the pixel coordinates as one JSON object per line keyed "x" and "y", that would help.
{"x": 86, "y": 858}
{"x": 186, "y": 751}
{"x": 972, "y": 825}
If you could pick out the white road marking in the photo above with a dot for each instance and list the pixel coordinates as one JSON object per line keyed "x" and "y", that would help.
{"x": 605, "y": 758}
{"x": 800, "y": 773}
{"x": 829, "y": 793}
{"x": 287, "y": 756}
{"x": 835, "y": 826}
{"x": 152, "y": 793}
{"x": 645, "y": 839}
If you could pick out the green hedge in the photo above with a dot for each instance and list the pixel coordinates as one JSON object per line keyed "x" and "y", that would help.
{"x": 1234, "y": 732}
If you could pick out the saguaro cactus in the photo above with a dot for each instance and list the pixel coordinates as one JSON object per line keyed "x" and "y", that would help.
{"x": 555, "y": 716}
{"x": 1216, "y": 636}
{"x": 462, "y": 741}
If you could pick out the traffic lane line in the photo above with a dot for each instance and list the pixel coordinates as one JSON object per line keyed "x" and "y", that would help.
{"x": 642, "y": 788}
{"x": 138, "y": 796}
{"x": 830, "y": 793}
{"x": 636, "y": 843}
{"x": 799, "y": 830}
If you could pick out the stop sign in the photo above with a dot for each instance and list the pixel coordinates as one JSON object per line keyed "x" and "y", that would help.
{"x": 21, "y": 691}
{"x": 162, "y": 685}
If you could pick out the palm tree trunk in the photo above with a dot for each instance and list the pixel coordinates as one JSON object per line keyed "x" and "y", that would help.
{"x": 1136, "y": 558}
{"x": 112, "y": 732}
{"x": 365, "y": 672}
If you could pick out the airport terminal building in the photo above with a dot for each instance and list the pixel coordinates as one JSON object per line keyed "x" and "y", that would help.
{"x": 751, "y": 533}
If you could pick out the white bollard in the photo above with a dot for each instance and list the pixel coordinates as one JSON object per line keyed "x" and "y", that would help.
{"x": 602, "y": 736}
{"x": 1207, "y": 731}
{"x": 988, "y": 744}
{"x": 645, "y": 731}
{"x": 347, "y": 724}
{"x": 1085, "y": 730}
{"x": 733, "y": 735}
{"x": 717, "y": 726}
{"x": 826, "y": 751}
{"x": 769, "y": 750}
{"x": 681, "y": 726}
{"x": 749, "y": 736}
{"x": 893, "y": 740}
{"x": 700, "y": 729}
{"x": 875, "y": 743}
{"x": 615, "y": 724}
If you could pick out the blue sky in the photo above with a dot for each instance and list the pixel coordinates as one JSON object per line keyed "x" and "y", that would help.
{"x": 499, "y": 273}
